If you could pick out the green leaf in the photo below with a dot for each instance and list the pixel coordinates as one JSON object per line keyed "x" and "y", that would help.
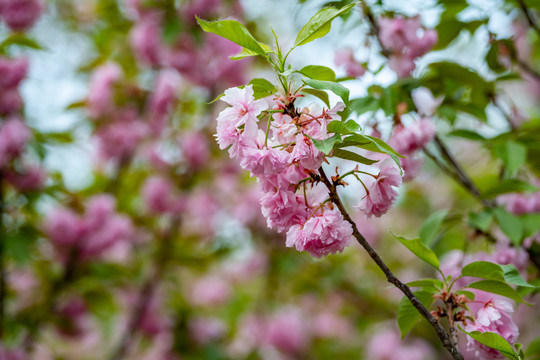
{"x": 484, "y": 270}
{"x": 318, "y": 72}
{"x": 507, "y": 186}
{"x": 481, "y": 220}
{"x": 370, "y": 143}
{"x": 494, "y": 341}
{"x": 21, "y": 40}
{"x": 318, "y": 93}
{"x": 467, "y": 134}
{"x": 408, "y": 315}
{"x": 509, "y": 224}
{"x": 349, "y": 155}
{"x": 340, "y": 127}
{"x": 320, "y": 24}
{"x": 497, "y": 287}
{"x": 469, "y": 294}
{"x": 533, "y": 349}
{"x": 431, "y": 226}
{"x": 512, "y": 276}
{"x": 234, "y": 31}
{"x": 326, "y": 145}
{"x": 434, "y": 283}
{"x": 365, "y": 104}
{"x": 336, "y": 88}
{"x": 531, "y": 224}
{"x": 512, "y": 154}
{"x": 243, "y": 54}
{"x": 262, "y": 88}
{"x": 417, "y": 247}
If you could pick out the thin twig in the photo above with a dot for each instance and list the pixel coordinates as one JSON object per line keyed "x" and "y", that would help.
{"x": 147, "y": 291}
{"x": 446, "y": 339}
{"x": 528, "y": 15}
{"x": 462, "y": 175}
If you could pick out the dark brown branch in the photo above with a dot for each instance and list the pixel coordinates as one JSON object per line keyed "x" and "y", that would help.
{"x": 462, "y": 175}
{"x": 446, "y": 340}
{"x": 529, "y": 16}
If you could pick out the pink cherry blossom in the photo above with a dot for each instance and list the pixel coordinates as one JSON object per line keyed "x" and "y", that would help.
{"x": 210, "y": 290}
{"x": 195, "y": 151}
{"x": 63, "y": 227}
{"x": 264, "y": 161}
{"x": 10, "y": 102}
{"x": 145, "y": 38}
{"x": 402, "y": 65}
{"x": 243, "y": 111}
{"x": 14, "y": 135}
{"x": 31, "y": 178}
{"x": 283, "y": 209}
{"x": 345, "y": 58}
{"x": 158, "y": 195}
{"x": 20, "y": 15}
{"x": 407, "y": 140}
{"x": 288, "y": 330}
{"x": 119, "y": 140}
{"x": 162, "y": 99}
{"x": 205, "y": 330}
{"x": 306, "y": 154}
{"x": 12, "y": 72}
{"x": 101, "y": 92}
{"x": 322, "y": 234}
{"x": 381, "y": 193}
{"x": 425, "y": 102}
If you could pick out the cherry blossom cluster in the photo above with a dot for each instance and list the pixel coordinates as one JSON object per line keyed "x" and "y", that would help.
{"x": 492, "y": 313}
{"x": 517, "y": 203}
{"x": 15, "y": 135}
{"x": 285, "y": 160}
{"x": 405, "y": 39}
{"x": 112, "y": 103}
{"x": 203, "y": 64}
{"x": 89, "y": 235}
{"x": 487, "y": 312}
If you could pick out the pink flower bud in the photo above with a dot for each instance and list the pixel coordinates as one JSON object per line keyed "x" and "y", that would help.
{"x": 12, "y": 72}
{"x": 20, "y": 15}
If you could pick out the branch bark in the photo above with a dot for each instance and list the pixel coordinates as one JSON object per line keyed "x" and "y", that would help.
{"x": 443, "y": 335}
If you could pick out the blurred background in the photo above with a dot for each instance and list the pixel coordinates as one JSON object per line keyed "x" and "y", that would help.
{"x": 128, "y": 234}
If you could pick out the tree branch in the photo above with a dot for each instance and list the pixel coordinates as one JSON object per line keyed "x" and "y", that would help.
{"x": 2, "y": 265}
{"x": 529, "y": 16}
{"x": 446, "y": 340}
{"x": 147, "y": 291}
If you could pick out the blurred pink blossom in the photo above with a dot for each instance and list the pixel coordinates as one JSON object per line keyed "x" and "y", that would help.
{"x": 20, "y": 15}
{"x": 345, "y": 58}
